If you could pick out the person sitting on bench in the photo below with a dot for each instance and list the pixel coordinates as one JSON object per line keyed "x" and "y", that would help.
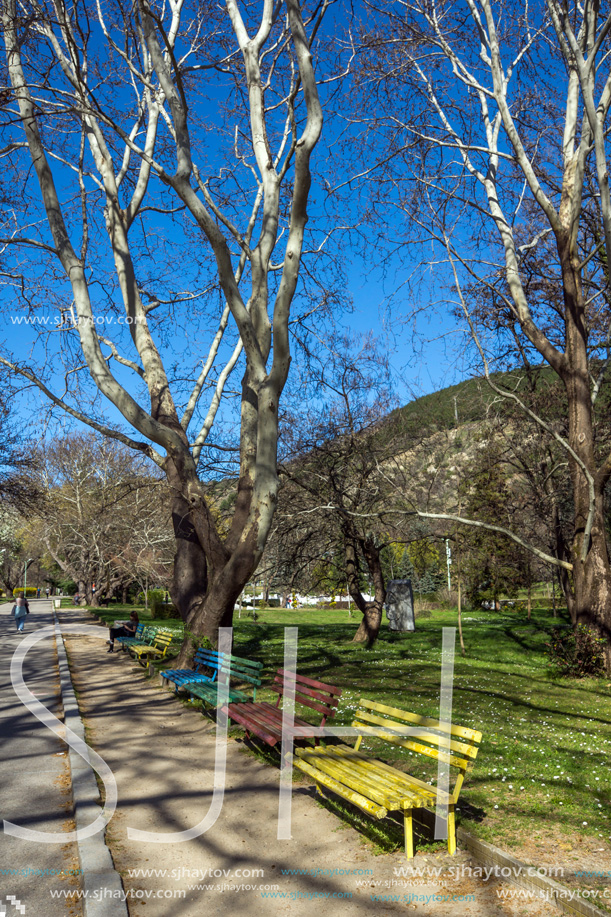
{"x": 126, "y": 630}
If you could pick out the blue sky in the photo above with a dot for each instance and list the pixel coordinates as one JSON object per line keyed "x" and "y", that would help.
{"x": 409, "y": 322}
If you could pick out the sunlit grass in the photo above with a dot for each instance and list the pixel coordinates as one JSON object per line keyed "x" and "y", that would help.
{"x": 546, "y": 741}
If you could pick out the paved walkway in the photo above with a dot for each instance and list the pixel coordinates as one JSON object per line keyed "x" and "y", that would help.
{"x": 35, "y": 790}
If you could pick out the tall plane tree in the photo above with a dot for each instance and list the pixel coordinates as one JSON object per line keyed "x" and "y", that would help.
{"x": 169, "y": 145}
{"x": 495, "y": 117}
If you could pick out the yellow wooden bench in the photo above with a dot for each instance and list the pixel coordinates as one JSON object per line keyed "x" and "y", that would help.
{"x": 158, "y": 648}
{"x": 378, "y": 788}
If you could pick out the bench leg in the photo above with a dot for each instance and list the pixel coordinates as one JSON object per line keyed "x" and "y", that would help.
{"x": 409, "y": 833}
{"x": 451, "y": 831}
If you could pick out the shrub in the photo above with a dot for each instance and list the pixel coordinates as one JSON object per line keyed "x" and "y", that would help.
{"x": 202, "y": 643}
{"x": 30, "y": 591}
{"x": 423, "y": 613}
{"x": 158, "y": 606}
{"x": 153, "y": 595}
{"x": 576, "y": 652}
{"x": 161, "y": 609}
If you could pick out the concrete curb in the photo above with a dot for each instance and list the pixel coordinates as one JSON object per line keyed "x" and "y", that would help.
{"x": 98, "y": 872}
{"x": 518, "y": 873}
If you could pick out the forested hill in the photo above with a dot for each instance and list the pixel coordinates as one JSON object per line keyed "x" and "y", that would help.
{"x": 470, "y": 401}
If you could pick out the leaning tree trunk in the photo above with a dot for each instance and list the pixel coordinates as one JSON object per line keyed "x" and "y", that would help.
{"x": 368, "y": 630}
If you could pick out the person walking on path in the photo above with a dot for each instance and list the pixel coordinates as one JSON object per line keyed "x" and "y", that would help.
{"x": 20, "y": 610}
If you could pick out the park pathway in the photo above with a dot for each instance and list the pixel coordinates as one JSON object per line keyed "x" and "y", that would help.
{"x": 35, "y": 789}
{"x": 162, "y": 757}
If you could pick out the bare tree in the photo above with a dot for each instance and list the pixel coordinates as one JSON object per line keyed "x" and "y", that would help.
{"x": 336, "y": 510}
{"x": 170, "y": 146}
{"x": 495, "y": 119}
{"x": 102, "y": 506}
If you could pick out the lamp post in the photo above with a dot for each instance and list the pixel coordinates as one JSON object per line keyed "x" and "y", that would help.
{"x": 25, "y": 576}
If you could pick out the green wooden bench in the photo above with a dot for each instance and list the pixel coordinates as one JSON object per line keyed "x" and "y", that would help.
{"x": 236, "y": 667}
{"x": 203, "y": 659}
{"x": 376, "y": 787}
{"x": 265, "y": 720}
{"x": 158, "y": 648}
{"x": 139, "y": 637}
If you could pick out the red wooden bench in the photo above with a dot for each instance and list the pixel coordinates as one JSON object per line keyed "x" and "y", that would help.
{"x": 264, "y": 720}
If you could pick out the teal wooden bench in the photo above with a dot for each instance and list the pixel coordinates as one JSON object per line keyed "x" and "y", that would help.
{"x": 376, "y": 787}
{"x": 203, "y": 659}
{"x": 233, "y": 667}
{"x": 144, "y": 634}
{"x": 264, "y": 720}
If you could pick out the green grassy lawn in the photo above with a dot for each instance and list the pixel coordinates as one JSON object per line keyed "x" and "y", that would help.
{"x": 120, "y": 612}
{"x": 544, "y": 758}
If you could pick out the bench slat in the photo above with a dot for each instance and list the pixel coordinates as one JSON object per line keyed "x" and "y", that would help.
{"x": 208, "y": 692}
{"x": 378, "y": 811}
{"x": 300, "y": 698}
{"x": 391, "y": 737}
{"x": 159, "y": 647}
{"x": 425, "y": 788}
{"x": 204, "y": 684}
{"x": 364, "y": 783}
{"x": 362, "y": 718}
{"x": 245, "y": 719}
{"x": 272, "y": 717}
{"x": 388, "y": 780}
{"x": 323, "y": 686}
{"x": 265, "y": 721}
{"x": 461, "y": 731}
